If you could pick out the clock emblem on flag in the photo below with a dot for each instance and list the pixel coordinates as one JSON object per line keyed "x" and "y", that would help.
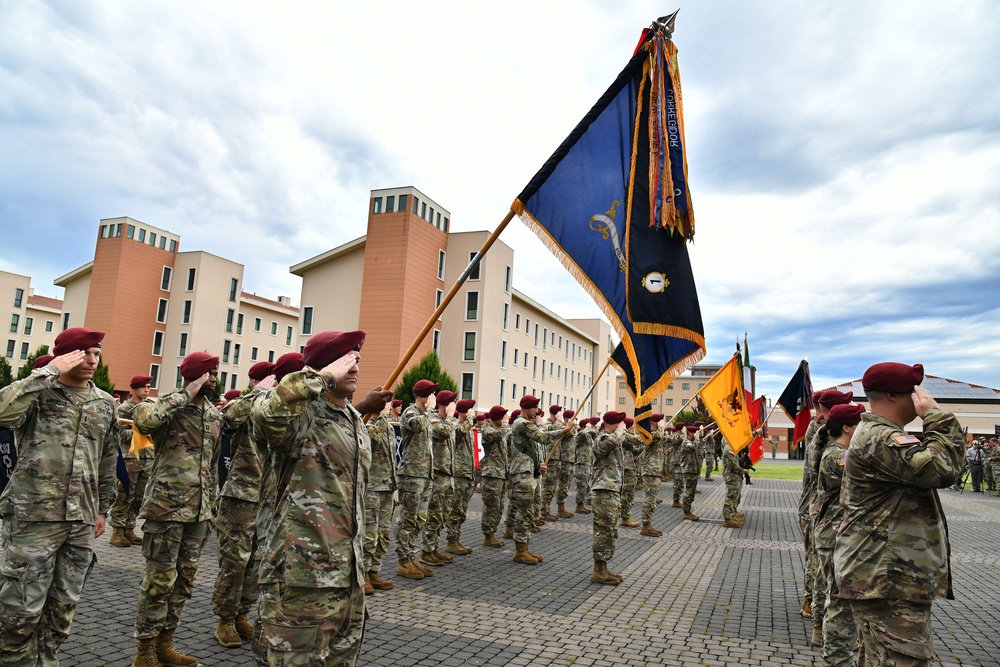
{"x": 655, "y": 282}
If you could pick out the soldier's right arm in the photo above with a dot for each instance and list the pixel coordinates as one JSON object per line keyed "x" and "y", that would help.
{"x": 935, "y": 461}
{"x": 150, "y": 416}
{"x": 277, "y": 412}
{"x": 604, "y": 444}
{"x": 415, "y": 420}
{"x": 17, "y": 400}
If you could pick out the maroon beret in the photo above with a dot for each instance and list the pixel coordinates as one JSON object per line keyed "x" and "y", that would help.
{"x": 568, "y": 414}
{"x": 528, "y": 401}
{"x": 554, "y": 409}
{"x": 197, "y": 364}
{"x": 613, "y": 417}
{"x": 820, "y": 419}
{"x": 514, "y": 415}
{"x": 628, "y": 422}
{"x": 497, "y": 412}
{"x": 76, "y": 338}
{"x": 893, "y": 377}
{"x": 424, "y": 388}
{"x": 445, "y": 397}
{"x": 655, "y": 417}
{"x": 816, "y": 396}
{"x": 692, "y": 429}
{"x": 232, "y": 393}
{"x": 327, "y": 346}
{"x": 261, "y": 370}
{"x": 848, "y": 413}
{"x": 680, "y": 424}
{"x": 465, "y": 405}
{"x": 139, "y": 381}
{"x": 699, "y": 423}
{"x": 290, "y": 362}
{"x": 481, "y": 417}
{"x": 832, "y": 397}
{"x": 397, "y": 403}
{"x": 669, "y": 427}
{"x": 42, "y": 361}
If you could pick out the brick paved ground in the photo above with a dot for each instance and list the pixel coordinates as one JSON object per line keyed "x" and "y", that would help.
{"x": 700, "y": 595}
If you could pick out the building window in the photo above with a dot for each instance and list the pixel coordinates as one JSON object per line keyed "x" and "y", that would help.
{"x": 157, "y": 343}
{"x": 131, "y": 231}
{"x": 560, "y": 342}
{"x": 503, "y": 386}
{"x": 621, "y": 385}
{"x": 423, "y": 210}
{"x": 685, "y": 386}
{"x": 234, "y": 286}
{"x": 506, "y": 282}
{"x": 223, "y": 376}
{"x": 152, "y": 239}
{"x": 513, "y": 391}
{"x": 186, "y": 319}
{"x": 163, "y": 242}
{"x": 438, "y": 298}
{"x": 468, "y": 380}
{"x": 441, "y": 260}
{"x": 545, "y": 338}
{"x": 506, "y": 316}
{"x": 670, "y": 386}
{"x": 182, "y": 345}
{"x": 191, "y": 275}
{"x": 469, "y": 351}
{"x": 416, "y": 206}
{"x": 142, "y": 235}
{"x": 165, "y": 280}
{"x": 274, "y": 328}
{"x": 161, "y": 311}
{"x": 445, "y": 227}
{"x": 517, "y": 321}
{"x": 402, "y": 204}
{"x": 431, "y": 219}
{"x": 525, "y": 359}
{"x": 232, "y": 381}
{"x": 256, "y": 324}
{"x": 65, "y": 321}
{"x": 670, "y": 401}
{"x": 503, "y": 354}
{"x": 621, "y": 401}
{"x": 515, "y": 356}
{"x": 226, "y": 345}
{"x": 48, "y": 326}
{"x": 253, "y": 353}
{"x": 439, "y": 226}
{"x": 236, "y": 354}
{"x": 289, "y": 332}
{"x": 474, "y": 274}
{"x": 377, "y": 207}
{"x": 28, "y": 322}
{"x": 173, "y": 245}
{"x": 472, "y": 306}
{"x": 436, "y": 342}
{"x": 154, "y": 372}
{"x": 118, "y": 229}
{"x": 390, "y": 203}
{"x": 239, "y": 324}
{"x": 18, "y": 297}
{"x": 15, "y": 320}
{"x": 24, "y": 350}
{"x": 270, "y": 356}
{"x": 307, "y": 320}
{"x": 230, "y": 316}
{"x": 536, "y": 335}
{"x": 11, "y": 344}
{"x": 534, "y": 367}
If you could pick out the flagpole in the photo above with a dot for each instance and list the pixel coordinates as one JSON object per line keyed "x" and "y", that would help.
{"x": 580, "y": 409}
{"x": 436, "y": 315}
{"x": 690, "y": 401}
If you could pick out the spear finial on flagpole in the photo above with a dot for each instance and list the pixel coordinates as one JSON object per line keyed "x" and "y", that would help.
{"x": 665, "y": 24}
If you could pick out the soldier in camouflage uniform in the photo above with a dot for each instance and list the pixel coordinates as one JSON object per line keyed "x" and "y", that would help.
{"x": 443, "y": 487}
{"x": 994, "y": 464}
{"x": 609, "y": 473}
{"x": 179, "y": 504}
{"x": 732, "y": 475}
{"x": 378, "y": 495}
{"x": 892, "y": 553}
{"x": 652, "y": 468}
{"x": 550, "y": 478}
{"x": 312, "y": 573}
{"x": 706, "y": 441}
{"x": 675, "y": 463}
{"x": 630, "y": 476}
{"x": 688, "y": 471}
{"x": 55, "y": 504}
{"x": 839, "y": 632}
{"x": 989, "y": 450}
{"x": 567, "y": 465}
{"x": 584, "y": 445}
{"x": 463, "y": 478}
{"x": 138, "y": 464}
{"x": 508, "y": 532}
{"x": 805, "y": 498}
{"x": 494, "y": 466}
{"x": 670, "y": 442}
{"x": 236, "y": 518}
{"x": 415, "y": 479}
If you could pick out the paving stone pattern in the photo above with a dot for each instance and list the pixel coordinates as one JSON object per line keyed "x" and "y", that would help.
{"x": 700, "y": 595}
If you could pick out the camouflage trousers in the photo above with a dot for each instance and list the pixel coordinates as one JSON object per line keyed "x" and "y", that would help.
{"x": 172, "y": 552}
{"x": 126, "y": 506}
{"x": 378, "y": 521}
{"x": 583, "y": 477}
{"x": 678, "y": 484}
{"x": 709, "y": 463}
{"x": 651, "y": 485}
{"x": 810, "y": 575}
{"x": 509, "y": 516}
{"x": 689, "y": 484}
{"x": 606, "y": 506}
{"x": 820, "y": 586}
{"x": 628, "y": 494}
{"x": 566, "y": 470}
{"x": 840, "y": 634}
{"x": 236, "y": 586}
{"x": 442, "y": 494}
{"x": 734, "y": 489}
{"x": 464, "y": 486}
{"x": 989, "y": 477}
{"x": 309, "y": 627}
{"x": 522, "y": 505}
{"x": 894, "y": 632}
{"x": 550, "y": 480}
{"x": 493, "y": 492}
{"x": 43, "y": 569}
{"x": 414, "y": 497}
{"x": 995, "y": 467}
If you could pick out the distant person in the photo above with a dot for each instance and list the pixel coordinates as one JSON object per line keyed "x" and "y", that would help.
{"x": 976, "y": 459}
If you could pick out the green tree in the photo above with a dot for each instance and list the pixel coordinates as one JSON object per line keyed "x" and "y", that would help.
{"x": 102, "y": 378}
{"x": 6, "y": 373}
{"x": 429, "y": 368}
{"x": 26, "y": 368}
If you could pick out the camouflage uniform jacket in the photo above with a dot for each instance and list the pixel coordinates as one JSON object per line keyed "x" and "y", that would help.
{"x": 529, "y": 445}
{"x": 382, "y": 474}
{"x": 637, "y": 445}
{"x": 417, "y": 455}
{"x": 584, "y": 442}
{"x": 555, "y": 427}
{"x": 670, "y": 447}
{"x": 185, "y": 477}
{"x": 808, "y": 480}
{"x": 826, "y": 506}
{"x": 246, "y": 462}
{"x": 731, "y": 470}
{"x": 893, "y": 541}
{"x": 465, "y": 462}
{"x": 688, "y": 457}
{"x": 321, "y": 455}
{"x": 567, "y": 449}
{"x": 496, "y": 460}
{"x": 652, "y": 458}
{"x": 125, "y": 411}
{"x": 443, "y": 444}
{"x": 609, "y": 459}
{"x": 66, "y": 451}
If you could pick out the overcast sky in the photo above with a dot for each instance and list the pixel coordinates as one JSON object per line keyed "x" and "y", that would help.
{"x": 844, "y": 157}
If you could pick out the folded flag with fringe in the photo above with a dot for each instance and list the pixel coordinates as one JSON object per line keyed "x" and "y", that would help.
{"x": 612, "y": 204}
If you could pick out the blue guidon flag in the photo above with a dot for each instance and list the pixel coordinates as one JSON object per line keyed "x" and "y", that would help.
{"x": 612, "y": 204}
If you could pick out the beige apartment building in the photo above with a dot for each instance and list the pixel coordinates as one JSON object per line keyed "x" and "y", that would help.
{"x": 32, "y": 320}
{"x": 684, "y": 387}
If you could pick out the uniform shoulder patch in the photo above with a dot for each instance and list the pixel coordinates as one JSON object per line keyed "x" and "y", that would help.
{"x": 906, "y": 440}
{"x": 843, "y": 458}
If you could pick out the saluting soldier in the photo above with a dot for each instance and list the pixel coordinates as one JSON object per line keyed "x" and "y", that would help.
{"x": 675, "y": 463}
{"x": 630, "y": 475}
{"x": 443, "y": 487}
{"x": 494, "y": 468}
{"x": 584, "y": 445}
{"x": 567, "y": 463}
{"x": 732, "y": 475}
{"x": 415, "y": 479}
{"x": 138, "y": 465}
{"x": 805, "y": 498}
{"x": 464, "y": 481}
{"x": 550, "y": 478}
{"x": 609, "y": 472}
{"x": 378, "y": 495}
{"x": 687, "y": 472}
{"x": 508, "y": 532}
{"x": 652, "y": 467}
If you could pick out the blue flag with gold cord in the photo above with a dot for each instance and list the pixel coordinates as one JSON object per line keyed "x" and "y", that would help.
{"x": 612, "y": 204}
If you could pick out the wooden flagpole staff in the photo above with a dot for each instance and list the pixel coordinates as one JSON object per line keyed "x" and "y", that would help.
{"x": 580, "y": 409}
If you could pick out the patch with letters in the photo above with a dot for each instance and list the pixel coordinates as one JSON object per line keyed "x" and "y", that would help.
{"x": 906, "y": 440}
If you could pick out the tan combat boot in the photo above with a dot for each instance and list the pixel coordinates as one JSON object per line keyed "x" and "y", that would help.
{"x": 491, "y": 541}
{"x": 659, "y": 501}
{"x": 649, "y": 531}
{"x": 521, "y": 555}
{"x": 408, "y": 570}
{"x": 630, "y": 523}
{"x": 675, "y": 504}
{"x": 708, "y": 478}
{"x": 428, "y": 558}
{"x": 244, "y": 628}
{"x": 562, "y": 513}
{"x": 423, "y": 569}
{"x": 444, "y": 558}
{"x": 227, "y": 635}
{"x": 689, "y": 516}
{"x": 118, "y": 538}
{"x": 378, "y": 583}
{"x": 817, "y": 637}
{"x": 538, "y": 557}
{"x": 132, "y": 537}
{"x": 146, "y": 656}
{"x": 368, "y": 588}
{"x": 168, "y": 655}
{"x": 549, "y": 516}
{"x": 731, "y": 522}
{"x": 457, "y": 548}
{"x": 601, "y": 574}
{"x": 806, "y": 610}
{"x": 508, "y": 533}
{"x": 640, "y": 485}
{"x": 581, "y": 509}
{"x": 617, "y": 576}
